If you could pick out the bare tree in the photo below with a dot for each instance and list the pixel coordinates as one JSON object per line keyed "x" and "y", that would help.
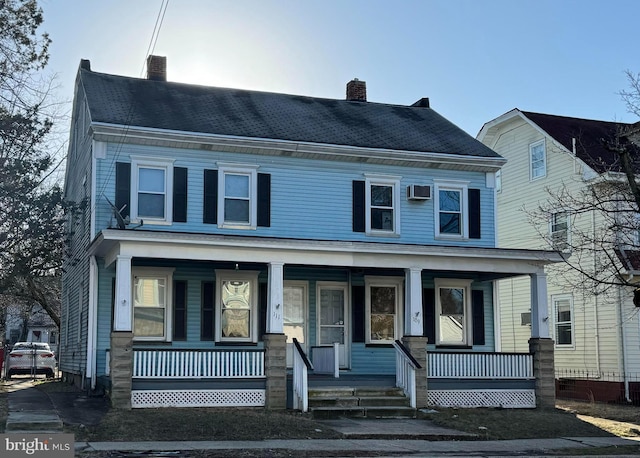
{"x": 32, "y": 216}
{"x": 603, "y": 212}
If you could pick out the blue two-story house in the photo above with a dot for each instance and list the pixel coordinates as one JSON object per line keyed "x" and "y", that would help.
{"x": 230, "y": 238}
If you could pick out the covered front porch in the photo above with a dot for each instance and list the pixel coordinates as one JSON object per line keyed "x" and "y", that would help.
{"x": 379, "y": 310}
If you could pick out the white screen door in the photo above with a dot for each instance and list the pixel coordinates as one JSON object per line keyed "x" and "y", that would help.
{"x": 333, "y": 323}
{"x": 295, "y": 313}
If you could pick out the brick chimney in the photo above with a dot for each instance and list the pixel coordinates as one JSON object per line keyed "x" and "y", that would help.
{"x": 157, "y": 68}
{"x": 357, "y": 90}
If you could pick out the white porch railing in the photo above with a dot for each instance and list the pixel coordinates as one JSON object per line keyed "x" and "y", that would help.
{"x": 480, "y": 365}
{"x": 301, "y": 366}
{"x": 210, "y": 364}
{"x": 406, "y": 367}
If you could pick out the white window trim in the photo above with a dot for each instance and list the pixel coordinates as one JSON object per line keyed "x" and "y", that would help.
{"x": 398, "y": 284}
{"x": 251, "y": 170}
{"x": 468, "y": 324}
{"x": 554, "y": 301}
{"x": 154, "y": 163}
{"x": 383, "y": 180}
{"x": 157, "y": 272}
{"x": 568, "y": 230}
{"x": 544, "y": 150}
{"x": 243, "y": 275}
{"x": 463, "y": 188}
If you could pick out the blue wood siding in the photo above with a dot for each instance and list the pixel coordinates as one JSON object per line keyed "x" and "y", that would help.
{"x": 365, "y": 359}
{"x": 310, "y": 199}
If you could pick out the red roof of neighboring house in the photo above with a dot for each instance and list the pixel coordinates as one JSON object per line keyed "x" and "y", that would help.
{"x": 590, "y": 136}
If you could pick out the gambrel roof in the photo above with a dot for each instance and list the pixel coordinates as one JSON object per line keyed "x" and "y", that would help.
{"x": 178, "y": 107}
{"x": 590, "y": 136}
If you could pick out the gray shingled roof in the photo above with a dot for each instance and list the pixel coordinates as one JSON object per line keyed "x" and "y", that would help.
{"x": 211, "y": 110}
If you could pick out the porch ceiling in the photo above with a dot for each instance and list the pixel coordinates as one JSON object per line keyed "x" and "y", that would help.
{"x": 497, "y": 262}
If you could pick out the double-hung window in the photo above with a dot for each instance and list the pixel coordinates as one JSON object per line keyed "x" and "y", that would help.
{"x": 563, "y": 313}
{"x": 383, "y": 204}
{"x": 451, "y": 209}
{"x": 152, "y": 182}
{"x": 453, "y": 305}
{"x": 237, "y": 191}
{"x": 383, "y": 298}
{"x": 559, "y": 231}
{"x": 537, "y": 160}
{"x": 236, "y": 306}
{"x": 152, "y": 303}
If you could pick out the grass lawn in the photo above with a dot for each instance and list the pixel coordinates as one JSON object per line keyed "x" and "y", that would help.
{"x": 569, "y": 419}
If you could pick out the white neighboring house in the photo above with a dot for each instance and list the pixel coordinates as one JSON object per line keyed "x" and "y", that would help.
{"x": 597, "y": 338}
{"x": 39, "y": 327}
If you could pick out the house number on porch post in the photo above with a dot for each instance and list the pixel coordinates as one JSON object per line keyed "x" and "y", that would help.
{"x": 275, "y": 307}
{"x": 413, "y": 312}
{"x": 539, "y": 306}
{"x": 122, "y": 313}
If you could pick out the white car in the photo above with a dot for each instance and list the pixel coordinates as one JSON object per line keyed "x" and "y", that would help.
{"x": 31, "y": 358}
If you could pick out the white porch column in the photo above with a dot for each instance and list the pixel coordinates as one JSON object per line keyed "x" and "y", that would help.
{"x": 123, "y": 311}
{"x": 413, "y": 299}
{"x": 275, "y": 302}
{"x": 539, "y": 306}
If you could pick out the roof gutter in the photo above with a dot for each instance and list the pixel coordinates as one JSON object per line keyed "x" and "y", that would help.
{"x": 182, "y": 139}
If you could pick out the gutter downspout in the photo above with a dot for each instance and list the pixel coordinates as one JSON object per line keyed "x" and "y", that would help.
{"x": 624, "y": 347}
{"x": 92, "y": 322}
{"x": 595, "y": 305}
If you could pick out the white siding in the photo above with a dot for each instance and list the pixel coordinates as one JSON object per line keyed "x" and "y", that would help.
{"x": 596, "y": 334}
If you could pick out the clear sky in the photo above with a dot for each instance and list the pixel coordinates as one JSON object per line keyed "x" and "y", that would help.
{"x": 474, "y": 59}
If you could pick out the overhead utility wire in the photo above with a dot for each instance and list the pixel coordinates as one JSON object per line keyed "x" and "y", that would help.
{"x": 152, "y": 45}
{"x": 156, "y": 31}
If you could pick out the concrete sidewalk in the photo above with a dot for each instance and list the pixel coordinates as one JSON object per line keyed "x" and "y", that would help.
{"x": 34, "y": 411}
{"x": 409, "y": 447}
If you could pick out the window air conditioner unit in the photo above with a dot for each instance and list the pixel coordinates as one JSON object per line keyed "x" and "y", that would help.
{"x": 417, "y": 192}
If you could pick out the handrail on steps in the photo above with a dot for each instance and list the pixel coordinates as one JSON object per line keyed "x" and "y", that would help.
{"x": 301, "y": 366}
{"x": 406, "y": 366}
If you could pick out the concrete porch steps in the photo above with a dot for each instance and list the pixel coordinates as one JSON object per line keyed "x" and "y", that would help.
{"x": 359, "y": 402}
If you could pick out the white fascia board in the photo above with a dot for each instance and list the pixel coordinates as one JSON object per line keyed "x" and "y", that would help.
{"x": 484, "y": 131}
{"x": 109, "y": 132}
{"x": 163, "y": 245}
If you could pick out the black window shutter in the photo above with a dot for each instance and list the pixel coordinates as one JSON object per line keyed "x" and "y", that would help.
{"x": 358, "y": 206}
{"x": 429, "y": 314}
{"x": 179, "y": 195}
{"x": 180, "y": 310}
{"x": 210, "y": 210}
{"x": 207, "y": 310}
{"x": 123, "y": 187}
{"x": 474, "y": 213}
{"x": 357, "y": 311}
{"x": 477, "y": 310}
{"x": 264, "y": 200}
{"x": 263, "y": 297}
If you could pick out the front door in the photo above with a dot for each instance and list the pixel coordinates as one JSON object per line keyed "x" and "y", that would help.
{"x": 295, "y": 316}
{"x": 333, "y": 318}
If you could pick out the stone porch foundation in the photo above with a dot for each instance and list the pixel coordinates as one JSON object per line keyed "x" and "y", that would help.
{"x": 275, "y": 366}
{"x": 417, "y": 346}
{"x": 543, "y": 371}
{"x": 121, "y": 364}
